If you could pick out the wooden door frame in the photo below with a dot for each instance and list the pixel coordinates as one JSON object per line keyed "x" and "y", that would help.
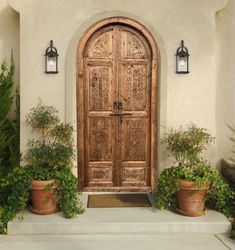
{"x": 80, "y": 94}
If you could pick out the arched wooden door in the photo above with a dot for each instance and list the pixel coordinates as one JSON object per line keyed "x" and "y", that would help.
{"x": 117, "y": 119}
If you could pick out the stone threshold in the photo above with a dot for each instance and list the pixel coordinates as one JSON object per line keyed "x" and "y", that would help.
{"x": 119, "y": 221}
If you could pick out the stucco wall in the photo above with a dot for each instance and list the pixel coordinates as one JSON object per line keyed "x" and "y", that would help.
{"x": 183, "y": 98}
{"x": 10, "y": 37}
{"x": 225, "y": 74}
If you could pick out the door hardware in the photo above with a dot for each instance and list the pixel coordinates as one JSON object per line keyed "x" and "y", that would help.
{"x": 119, "y": 105}
{"x": 115, "y": 105}
{"x": 121, "y": 115}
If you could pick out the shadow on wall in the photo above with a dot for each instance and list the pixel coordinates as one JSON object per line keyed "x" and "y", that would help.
{"x": 225, "y": 75}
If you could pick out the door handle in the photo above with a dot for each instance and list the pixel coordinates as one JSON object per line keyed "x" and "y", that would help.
{"x": 121, "y": 115}
{"x": 126, "y": 114}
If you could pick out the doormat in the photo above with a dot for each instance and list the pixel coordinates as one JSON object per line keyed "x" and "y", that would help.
{"x": 118, "y": 200}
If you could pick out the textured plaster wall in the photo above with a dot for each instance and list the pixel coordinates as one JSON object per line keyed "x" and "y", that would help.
{"x": 183, "y": 98}
{"x": 10, "y": 37}
{"x": 225, "y": 74}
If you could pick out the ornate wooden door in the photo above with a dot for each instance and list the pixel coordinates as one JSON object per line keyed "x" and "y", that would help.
{"x": 117, "y": 65}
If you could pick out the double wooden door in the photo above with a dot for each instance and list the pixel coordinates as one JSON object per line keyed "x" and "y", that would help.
{"x": 117, "y": 112}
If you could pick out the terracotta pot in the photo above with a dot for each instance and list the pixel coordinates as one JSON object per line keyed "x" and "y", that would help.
{"x": 44, "y": 201}
{"x": 191, "y": 198}
{"x": 232, "y": 233}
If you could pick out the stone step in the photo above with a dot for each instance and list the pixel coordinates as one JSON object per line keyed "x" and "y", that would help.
{"x": 120, "y": 220}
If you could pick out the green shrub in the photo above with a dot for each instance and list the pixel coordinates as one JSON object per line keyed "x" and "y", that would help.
{"x": 185, "y": 146}
{"x": 13, "y": 195}
{"x": 9, "y": 127}
{"x": 51, "y": 156}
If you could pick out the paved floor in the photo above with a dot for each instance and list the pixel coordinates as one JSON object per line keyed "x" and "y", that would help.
{"x": 118, "y": 242}
{"x": 123, "y": 229}
{"x": 120, "y": 221}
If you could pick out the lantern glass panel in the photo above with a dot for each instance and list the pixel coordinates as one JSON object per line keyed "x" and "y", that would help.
{"x": 182, "y": 64}
{"x": 51, "y": 64}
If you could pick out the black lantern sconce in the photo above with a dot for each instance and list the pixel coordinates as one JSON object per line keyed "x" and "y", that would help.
{"x": 182, "y": 57}
{"x": 51, "y": 60}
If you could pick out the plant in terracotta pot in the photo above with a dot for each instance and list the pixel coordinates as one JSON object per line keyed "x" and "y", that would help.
{"x": 228, "y": 164}
{"x": 185, "y": 185}
{"x": 49, "y": 159}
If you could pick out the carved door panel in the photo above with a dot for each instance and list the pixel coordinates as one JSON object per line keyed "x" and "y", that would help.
{"x": 134, "y": 94}
{"x": 117, "y": 86}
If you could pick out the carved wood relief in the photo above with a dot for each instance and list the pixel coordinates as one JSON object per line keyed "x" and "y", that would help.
{"x": 100, "y": 88}
{"x": 134, "y": 137}
{"x": 134, "y": 88}
{"x": 101, "y": 46}
{"x": 133, "y": 46}
{"x": 117, "y": 146}
{"x": 101, "y": 174}
{"x": 100, "y": 139}
{"x": 134, "y": 174}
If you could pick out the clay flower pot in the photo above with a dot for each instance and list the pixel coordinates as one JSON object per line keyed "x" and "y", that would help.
{"x": 44, "y": 201}
{"x": 191, "y": 198}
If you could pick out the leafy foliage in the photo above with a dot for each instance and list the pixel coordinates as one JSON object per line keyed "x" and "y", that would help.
{"x": 219, "y": 195}
{"x": 51, "y": 156}
{"x": 13, "y": 195}
{"x": 185, "y": 146}
{"x": 42, "y": 117}
{"x": 6, "y": 84}
{"x": 54, "y": 148}
{"x": 67, "y": 193}
{"x": 14, "y": 198}
{"x": 9, "y": 128}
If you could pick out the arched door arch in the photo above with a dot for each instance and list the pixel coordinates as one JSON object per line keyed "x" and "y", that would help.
{"x": 117, "y": 107}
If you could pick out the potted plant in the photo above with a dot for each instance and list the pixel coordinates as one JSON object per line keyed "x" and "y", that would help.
{"x": 185, "y": 185}
{"x": 49, "y": 159}
{"x": 228, "y": 171}
{"x": 228, "y": 164}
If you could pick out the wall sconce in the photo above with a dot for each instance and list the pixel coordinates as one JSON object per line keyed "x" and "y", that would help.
{"x": 182, "y": 57}
{"x": 51, "y": 60}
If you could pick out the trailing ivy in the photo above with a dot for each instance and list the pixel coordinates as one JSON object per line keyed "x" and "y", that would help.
{"x": 67, "y": 192}
{"x": 15, "y": 188}
{"x": 219, "y": 195}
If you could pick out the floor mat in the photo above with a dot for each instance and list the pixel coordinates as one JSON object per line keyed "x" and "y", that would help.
{"x": 118, "y": 200}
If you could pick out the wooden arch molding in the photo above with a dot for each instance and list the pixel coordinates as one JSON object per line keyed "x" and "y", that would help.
{"x": 153, "y": 95}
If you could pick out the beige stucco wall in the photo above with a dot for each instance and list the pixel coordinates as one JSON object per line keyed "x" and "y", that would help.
{"x": 183, "y": 98}
{"x": 10, "y": 37}
{"x": 225, "y": 74}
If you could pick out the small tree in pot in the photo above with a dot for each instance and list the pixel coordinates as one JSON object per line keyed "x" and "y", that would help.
{"x": 49, "y": 161}
{"x": 184, "y": 185}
